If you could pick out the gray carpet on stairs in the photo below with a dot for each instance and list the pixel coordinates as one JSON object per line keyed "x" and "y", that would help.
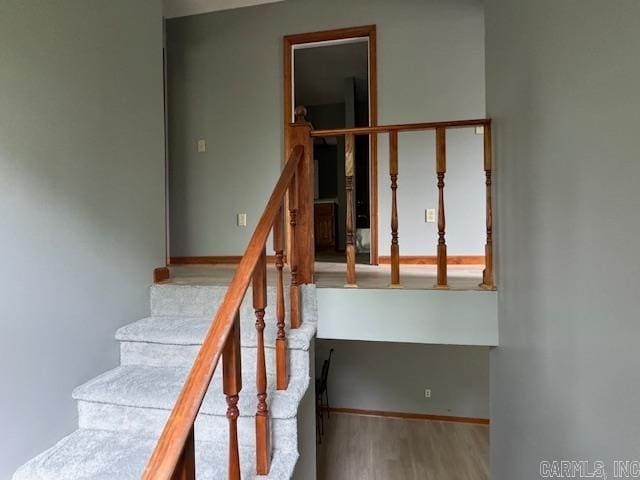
{"x": 106, "y": 455}
{"x": 122, "y": 411}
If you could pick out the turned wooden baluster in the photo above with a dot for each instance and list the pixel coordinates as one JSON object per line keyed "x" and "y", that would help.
{"x": 349, "y": 170}
{"x": 282, "y": 377}
{"x": 293, "y": 252}
{"x": 441, "y": 169}
{"x": 487, "y": 276}
{"x": 263, "y": 444}
{"x": 232, "y": 384}
{"x": 393, "y": 173}
{"x": 186, "y": 467}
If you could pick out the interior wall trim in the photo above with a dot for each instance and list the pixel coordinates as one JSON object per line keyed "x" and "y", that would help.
{"x": 161, "y": 274}
{"x": 410, "y": 416}
{"x": 432, "y": 260}
{"x": 212, "y": 260}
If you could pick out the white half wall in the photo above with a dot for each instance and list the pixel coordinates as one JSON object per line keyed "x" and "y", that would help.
{"x": 466, "y": 317}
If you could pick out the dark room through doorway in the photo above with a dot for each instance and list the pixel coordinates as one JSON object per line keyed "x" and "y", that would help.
{"x": 331, "y": 80}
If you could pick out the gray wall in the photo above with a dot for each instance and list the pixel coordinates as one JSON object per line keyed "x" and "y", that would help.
{"x": 81, "y": 201}
{"x": 562, "y": 87}
{"x": 306, "y": 466}
{"x": 393, "y": 376}
{"x": 225, "y": 81}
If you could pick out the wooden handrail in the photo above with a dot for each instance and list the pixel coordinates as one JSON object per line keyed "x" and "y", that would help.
{"x": 403, "y": 127}
{"x": 179, "y": 427}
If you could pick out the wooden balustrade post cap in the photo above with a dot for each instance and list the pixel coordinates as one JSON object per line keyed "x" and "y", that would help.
{"x": 300, "y": 114}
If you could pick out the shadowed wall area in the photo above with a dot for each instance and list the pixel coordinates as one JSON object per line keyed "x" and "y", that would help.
{"x": 562, "y": 89}
{"x": 81, "y": 201}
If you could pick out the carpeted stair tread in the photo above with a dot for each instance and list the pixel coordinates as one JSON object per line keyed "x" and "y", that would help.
{"x": 105, "y": 455}
{"x": 158, "y": 388}
{"x": 122, "y": 411}
{"x": 177, "y": 330}
{"x": 202, "y": 300}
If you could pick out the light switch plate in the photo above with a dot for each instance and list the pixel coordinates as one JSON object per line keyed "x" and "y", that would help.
{"x": 202, "y": 146}
{"x": 480, "y": 130}
{"x": 430, "y": 215}
{"x": 242, "y": 219}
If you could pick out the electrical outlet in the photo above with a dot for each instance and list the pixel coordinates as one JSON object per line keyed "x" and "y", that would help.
{"x": 242, "y": 219}
{"x": 202, "y": 146}
{"x": 427, "y": 393}
{"x": 430, "y": 215}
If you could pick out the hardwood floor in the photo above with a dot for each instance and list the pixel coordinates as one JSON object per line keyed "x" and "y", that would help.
{"x": 357, "y": 447}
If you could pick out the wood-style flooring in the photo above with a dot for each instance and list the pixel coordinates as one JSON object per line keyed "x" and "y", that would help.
{"x": 357, "y": 447}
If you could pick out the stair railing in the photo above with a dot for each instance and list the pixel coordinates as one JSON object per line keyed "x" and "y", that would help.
{"x": 174, "y": 455}
{"x": 440, "y": 129}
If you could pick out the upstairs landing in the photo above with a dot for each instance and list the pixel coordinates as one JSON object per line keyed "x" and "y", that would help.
{"x": 464, "y": 314}
{"x": 332, "y": 275}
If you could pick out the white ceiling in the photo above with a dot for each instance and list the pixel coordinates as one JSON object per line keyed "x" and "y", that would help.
{"x": 183, "y": 8}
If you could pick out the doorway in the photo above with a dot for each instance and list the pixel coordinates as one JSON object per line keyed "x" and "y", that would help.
{"x": 333, "y": 75}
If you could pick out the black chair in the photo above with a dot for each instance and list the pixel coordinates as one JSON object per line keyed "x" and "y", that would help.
{"x": 322, "y": 397}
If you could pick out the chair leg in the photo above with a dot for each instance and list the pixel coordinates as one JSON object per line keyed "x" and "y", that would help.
{"x": 326, "y": 394}
{"x": 319, "y": 422}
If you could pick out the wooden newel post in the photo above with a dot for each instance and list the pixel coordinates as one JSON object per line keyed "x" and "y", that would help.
{"x": 299, "y": 133}
{"x": 441, "y": 169}
{"x": 487, "y": 276}
{"x": 349, "y": 172}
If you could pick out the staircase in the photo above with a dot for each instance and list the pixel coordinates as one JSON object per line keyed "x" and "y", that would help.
{"x": 170, "y": 411}
{"x": 123, "y": 411}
